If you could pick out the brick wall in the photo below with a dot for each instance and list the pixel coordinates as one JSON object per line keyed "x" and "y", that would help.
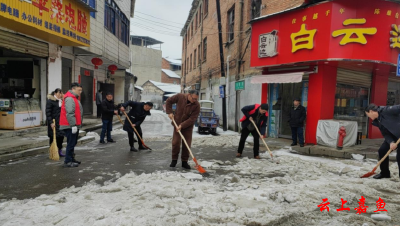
{"x": 208, "y": 28}
{"x": 165, "y": 64}
{"x": 166, "y": 79}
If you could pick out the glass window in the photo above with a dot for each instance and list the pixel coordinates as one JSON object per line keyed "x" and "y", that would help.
{"x": 255, "y": 8}
{"x": 92, "y": 3}
{"x": 205, "y": 49}
{"x": 350, "y": 102}
{"x": 231, "y": 24}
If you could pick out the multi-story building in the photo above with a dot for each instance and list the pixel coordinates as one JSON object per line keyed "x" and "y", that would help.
{"x": 32, "y": 35}
{"x": 307, "y": 49}
{"x": 201, "y": 51}
{"x": 146, "y": 59}
{"x": 46, "y": 45}
{"x": 109, "y": 41}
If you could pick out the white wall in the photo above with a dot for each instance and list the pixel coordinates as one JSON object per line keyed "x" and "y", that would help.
{"x": 146, "y": 64}
{"x": 55, "y": 69}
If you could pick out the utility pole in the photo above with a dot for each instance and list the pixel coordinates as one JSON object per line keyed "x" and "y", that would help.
{"x": 221, "y": 57}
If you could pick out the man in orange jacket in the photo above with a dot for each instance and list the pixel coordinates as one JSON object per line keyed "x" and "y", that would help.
{"x": 259, "y": 114}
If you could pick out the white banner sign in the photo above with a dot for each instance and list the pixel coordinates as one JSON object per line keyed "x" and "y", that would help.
{"x": 23, "y": 120}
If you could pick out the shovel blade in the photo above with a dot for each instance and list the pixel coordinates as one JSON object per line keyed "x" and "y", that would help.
{"x": 368, "y": 174}
{"x": 198, "y": 167}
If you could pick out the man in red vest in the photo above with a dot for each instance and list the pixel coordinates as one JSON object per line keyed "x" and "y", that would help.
{"x": 259, "y": 114}
{"x": 70, "y": 121}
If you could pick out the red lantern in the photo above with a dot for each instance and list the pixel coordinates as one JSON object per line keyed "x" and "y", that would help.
{"x": 97, "y": 62}
{"x": 112, "y": 68}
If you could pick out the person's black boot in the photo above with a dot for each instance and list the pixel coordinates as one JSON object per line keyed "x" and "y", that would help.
{"x": 185, "y": 165}
{"x": 71, "y": 164}
{"x": 134, "y": 149}
{"x": 141, "y": 148}
{"x": 380, "y": 176}
{"x": 173, "y": 163}
{"x": 293, "y": 144}
{"x": 302, "y": 145}
{"x": 111, "y": 141}
{"x": 75, "y": 161}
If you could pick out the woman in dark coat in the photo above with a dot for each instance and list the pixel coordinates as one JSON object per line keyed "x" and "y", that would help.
{"x": 53, "y": 110}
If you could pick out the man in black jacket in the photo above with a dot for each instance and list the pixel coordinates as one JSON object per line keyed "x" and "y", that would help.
{"x": 108, "y": 111}
{"x": 258, "y": 114}
{"x": 137, "y": 115}
{"x": 296, "y": 122}
{"x": 387, "y": 119}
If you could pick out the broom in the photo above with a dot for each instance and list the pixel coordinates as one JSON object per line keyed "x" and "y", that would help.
{"x": 261, "y": 137}
{"x": 53, "y": 151}
{"x": 379, "y": 163}
{"x": 127, "y": 117}
{"x": 198, "y": 167}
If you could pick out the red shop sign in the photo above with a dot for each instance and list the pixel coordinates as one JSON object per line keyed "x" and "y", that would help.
{"x": 335, "y": 30}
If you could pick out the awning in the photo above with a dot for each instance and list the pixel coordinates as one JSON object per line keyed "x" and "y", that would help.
{"x": 278, "y": 78}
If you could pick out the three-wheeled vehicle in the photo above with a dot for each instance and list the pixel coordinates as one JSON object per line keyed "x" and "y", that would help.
{"x": 207, "y": 121}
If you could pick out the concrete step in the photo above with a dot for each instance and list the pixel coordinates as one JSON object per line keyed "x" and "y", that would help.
{"x": 12, "y": 145}
{"x": 38, "y": 150}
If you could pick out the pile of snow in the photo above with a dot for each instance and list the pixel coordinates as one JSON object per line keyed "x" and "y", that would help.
{"x": 220, "y": 141}
{"x": 93, "y": 134}
{"x": 250, "y": 192}
{"x": 118, "y": 132}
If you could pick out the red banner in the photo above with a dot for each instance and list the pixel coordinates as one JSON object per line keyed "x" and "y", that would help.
{"x": 335, "y": 30}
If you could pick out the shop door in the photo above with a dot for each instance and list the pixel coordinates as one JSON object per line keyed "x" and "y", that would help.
{"x": 289, "y": 92}
{"x": 66, "y": 74}
{"x": 87, "y": 91}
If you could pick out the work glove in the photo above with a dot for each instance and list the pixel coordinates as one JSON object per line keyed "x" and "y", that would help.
{"x": 74, "y": 129}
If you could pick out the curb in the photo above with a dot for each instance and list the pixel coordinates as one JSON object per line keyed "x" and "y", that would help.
{"x": 38, "y": 150}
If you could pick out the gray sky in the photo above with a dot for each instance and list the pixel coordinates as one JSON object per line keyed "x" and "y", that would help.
{"x": 162, "y": 20}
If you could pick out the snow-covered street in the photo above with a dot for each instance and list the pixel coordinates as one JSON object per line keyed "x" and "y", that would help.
{"x": 283, "y": 191}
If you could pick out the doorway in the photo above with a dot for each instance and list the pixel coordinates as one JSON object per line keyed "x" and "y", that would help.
{"x": 87, "y": 91}
{"x": 66, "y": 74}
{"x": 288, "y": 92}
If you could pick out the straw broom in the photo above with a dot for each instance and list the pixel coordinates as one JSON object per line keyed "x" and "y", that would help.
{"x": 53, "y": 151}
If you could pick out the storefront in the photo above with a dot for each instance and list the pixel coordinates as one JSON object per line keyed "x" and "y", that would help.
{"x": 32, "y": 34}
{"x": 336, "y": 56}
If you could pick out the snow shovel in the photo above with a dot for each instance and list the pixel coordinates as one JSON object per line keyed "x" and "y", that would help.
{"x": 53, "y": 151}
{"x": 198, "y": 167}
{"x": 127, "y": 117}
{"x": 379, "y": 163}
{"x": 270, "y": 153}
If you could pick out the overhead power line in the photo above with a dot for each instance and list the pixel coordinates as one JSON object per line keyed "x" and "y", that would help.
{"x": 156, "y": 24}
{"x": 159, "y": 18}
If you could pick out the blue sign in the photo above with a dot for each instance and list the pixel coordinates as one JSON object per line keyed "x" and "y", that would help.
{"x": 398, "y": 66}
{"x": 221, "y": 92}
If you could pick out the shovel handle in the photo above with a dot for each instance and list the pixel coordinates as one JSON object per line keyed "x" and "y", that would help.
{"x": 127, "y": 117}
{"x": 120, "y": 119}
{"x": 387, "y": 154}
{"x": 183, "y": 138}
{"x": 261, "y": 137}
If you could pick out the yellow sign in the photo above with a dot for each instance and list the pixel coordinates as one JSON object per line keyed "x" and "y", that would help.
{"x": 304, "y": 39}
{"x": 395, "y": 40}
{"x": 63, "y": 22}
{"x": 359, "y": 32}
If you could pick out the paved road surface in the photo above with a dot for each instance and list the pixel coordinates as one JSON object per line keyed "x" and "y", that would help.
{"x": 31, "y": 177}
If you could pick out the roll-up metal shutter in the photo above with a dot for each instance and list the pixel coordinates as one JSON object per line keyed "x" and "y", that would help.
{"x": 22, "y": 44}
{"x": 394, "y": 79}
{"x": 356, "y": 78}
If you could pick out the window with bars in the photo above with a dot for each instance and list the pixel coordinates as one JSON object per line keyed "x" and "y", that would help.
{"x": 116, "y": 22}
{"x": 199, "y": 54}
{"x": 200, "y": 14}
{"x": 190, "y": 62}
{"x": 205, "y": 49}
{"x": 205, "y": 7}
{"x": 191, "y": 29}
{"x": 187, "y": 68}
{"x": 231, "y": 24}
{"x": 195, "y": 22}
{"x": 255, "y": 8}
{"x": 194, "y": 59}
